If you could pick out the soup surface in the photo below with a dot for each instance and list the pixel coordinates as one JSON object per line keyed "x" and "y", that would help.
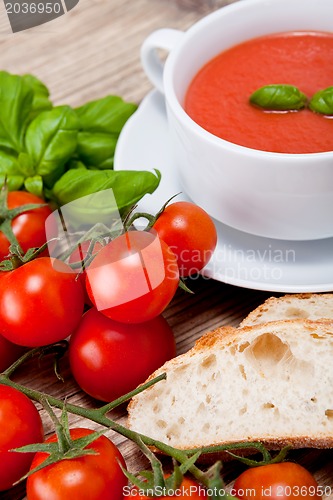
{"x": 218, "y": 97}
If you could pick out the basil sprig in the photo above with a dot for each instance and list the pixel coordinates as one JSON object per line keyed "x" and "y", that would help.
{"x": 128, "y": 187}
{"x": 322, "y": 102}
{"x": 63, "y": 153}
{"x": 101, "y": 122}
{"x": 279, "y": 97}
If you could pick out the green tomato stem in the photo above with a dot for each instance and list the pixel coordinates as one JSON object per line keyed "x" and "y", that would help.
{"x": 64, "y": 441}
{"x": 235, "y": 446}
{"x": 150, "y": 218}
{"x": 59, "y": 349}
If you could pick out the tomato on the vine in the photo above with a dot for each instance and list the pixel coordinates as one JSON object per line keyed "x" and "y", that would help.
{"x": 282, "y": 481}
{"x": 28, "y": 227}
{"x": 90, "y": 477}
{"x": 133, "y": 278}
{"x": 109, "y": 359}
{"x": 41, "y": 302}
{"x": 20, "y": 425}
{"x": 190, "y": 233}
{"x": 187, "y": 489}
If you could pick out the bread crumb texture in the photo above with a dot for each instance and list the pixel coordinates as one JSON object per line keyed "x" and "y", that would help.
{"x": 270, "y": 382}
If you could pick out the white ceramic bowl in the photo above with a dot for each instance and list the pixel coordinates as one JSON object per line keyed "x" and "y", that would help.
{"x": 276, "y": 195}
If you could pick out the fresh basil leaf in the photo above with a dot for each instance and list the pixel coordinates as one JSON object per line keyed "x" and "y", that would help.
{"x": 107, "y": 115}
{"x": 128, "y": 186}
{"x": 278, "y": 97}
{"x": 322, "y": 102}
{"x": 10, "y": 170}
{"x": 8, "y": 163}
{"x": 41, "y": 101}
{"x": 34, "y": 185}
{"x": 105, "y": 165}
{"x": 25, "y": 164}
{"x": 37, "y": 85}
{"x": 75, "y": 164}
{"x": 16, "y": 98}
{"x": 96, "y": 148}
{"x": 51, "y": 140}
{"x": 14, "y": 182}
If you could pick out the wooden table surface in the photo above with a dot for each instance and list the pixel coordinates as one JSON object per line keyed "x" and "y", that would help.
{"x": 88, "y": 53}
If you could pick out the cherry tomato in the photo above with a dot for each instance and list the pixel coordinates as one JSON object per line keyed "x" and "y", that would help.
{"x": 281, "y": 481}
{"x": 188, "y": 489}
{"x": 133, "y": 278}
{"x": 190, "y": 233}
{"x": 109, "y": 359}
{"x": 20, "y": 425}
{"x": 9, "y": 353}
{"x": 29, "y": 227}
{"x": 41, "y": 302}
{"x": 90, "y": 477}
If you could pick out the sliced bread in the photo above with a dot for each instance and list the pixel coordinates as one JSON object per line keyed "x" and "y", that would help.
{"x": 299, "y": 306}
{"x": 271, "y": 383}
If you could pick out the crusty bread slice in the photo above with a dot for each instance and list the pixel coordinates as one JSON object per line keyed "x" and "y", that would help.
{"x": 299, "y": 306}
{"x": 271, "y": 383}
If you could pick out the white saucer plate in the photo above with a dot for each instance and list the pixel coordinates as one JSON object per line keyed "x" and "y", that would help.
{"x": 240, "y": 259}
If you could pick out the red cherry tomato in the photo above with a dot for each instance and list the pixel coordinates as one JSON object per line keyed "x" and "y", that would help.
{"x": 9, "y": 352}
{"x": 188, "y": 489}
{"x": 133, "y": 278}
{"x": 41, "y": 302}
{"x": 20, "y": 425}
{"x": 90, "y": 477}
{"x": 109, "y": 359}
{"x": 281, "y": 481}
{"x": 190, "y": 233}
{"x": 29, "y": 227}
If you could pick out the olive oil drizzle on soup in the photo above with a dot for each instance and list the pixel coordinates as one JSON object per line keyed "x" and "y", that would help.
{"x": 218, "y": 97}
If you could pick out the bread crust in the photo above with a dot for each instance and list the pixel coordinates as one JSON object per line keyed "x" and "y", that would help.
{"x": 254, "y": 316}
{"x": 274, "y": 444}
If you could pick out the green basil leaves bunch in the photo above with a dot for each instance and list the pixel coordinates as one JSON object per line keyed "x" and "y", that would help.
{"x": 22, "y": 100}
{"x": 41, "y": 144}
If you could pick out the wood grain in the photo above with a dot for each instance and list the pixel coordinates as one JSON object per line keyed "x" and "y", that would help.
{"x": 88, "y": 53}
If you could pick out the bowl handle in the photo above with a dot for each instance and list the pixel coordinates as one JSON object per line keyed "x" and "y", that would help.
{"x": 165, "y": 39}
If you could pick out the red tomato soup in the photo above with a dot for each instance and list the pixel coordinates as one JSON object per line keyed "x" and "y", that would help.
{"x": 218, "y": 97}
